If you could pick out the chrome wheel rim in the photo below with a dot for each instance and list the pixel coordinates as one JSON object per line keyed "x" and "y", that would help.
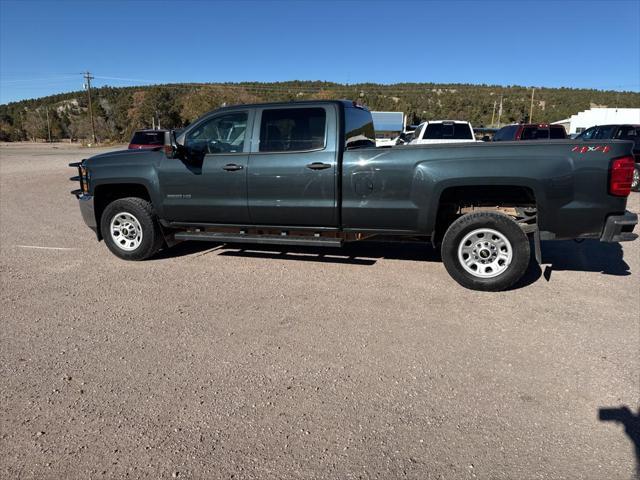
{"x": 126, "y": 231}
{"x": 485, "y": 253}
{"x": 636, "y": 178}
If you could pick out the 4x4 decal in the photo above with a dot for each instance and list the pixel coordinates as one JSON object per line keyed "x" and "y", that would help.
{"x": 594, "y": 148}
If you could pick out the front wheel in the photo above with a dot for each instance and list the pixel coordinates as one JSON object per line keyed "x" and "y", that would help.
{"x": 635, "y": 182}
{"x": 485, "y": 251}
{"x": 130, "y": 229}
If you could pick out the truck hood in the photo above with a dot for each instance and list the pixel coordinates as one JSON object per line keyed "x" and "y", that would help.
{"x": 123, "y": 156}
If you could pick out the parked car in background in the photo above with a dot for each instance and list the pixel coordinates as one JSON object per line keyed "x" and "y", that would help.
{"x": 618, "y": 132}
{"x": 443, "y": 131}
{"x": 147, "y": 139}
{"x": 530, "y": 131}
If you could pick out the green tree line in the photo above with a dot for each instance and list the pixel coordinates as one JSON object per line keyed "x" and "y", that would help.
{"x": 120, "y": 111}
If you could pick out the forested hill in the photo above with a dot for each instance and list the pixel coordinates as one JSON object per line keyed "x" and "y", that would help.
{"x": 119, "y": 111}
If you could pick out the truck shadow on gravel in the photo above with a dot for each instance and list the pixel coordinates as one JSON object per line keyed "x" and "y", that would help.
{"x": 365, "y": 254}
{"x": 586, "y": 256}
{"x": 355, "y": 254}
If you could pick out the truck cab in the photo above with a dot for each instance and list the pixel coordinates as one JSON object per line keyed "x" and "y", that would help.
{"x": 270, "y": 165}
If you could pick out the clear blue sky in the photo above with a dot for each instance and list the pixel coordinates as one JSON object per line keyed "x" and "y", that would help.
{"x": 45, "y": 45}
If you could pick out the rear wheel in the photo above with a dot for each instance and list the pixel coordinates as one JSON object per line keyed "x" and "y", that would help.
{"x": 485, "y": 251}
{"x": 130, "y": 229}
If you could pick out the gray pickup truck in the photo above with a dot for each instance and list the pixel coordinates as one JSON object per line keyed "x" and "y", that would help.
{"x": 309, "y": 173}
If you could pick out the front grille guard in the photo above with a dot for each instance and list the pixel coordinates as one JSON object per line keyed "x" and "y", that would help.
{"x": 84, "y": 186}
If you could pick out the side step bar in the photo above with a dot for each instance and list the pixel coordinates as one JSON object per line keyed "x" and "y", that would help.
{"x": 259, "y": 239}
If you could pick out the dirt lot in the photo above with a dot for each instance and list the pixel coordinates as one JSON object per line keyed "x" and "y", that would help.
{"x": 218, "y": 362}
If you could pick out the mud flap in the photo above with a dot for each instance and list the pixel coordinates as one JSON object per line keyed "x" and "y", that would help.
{"x": 536, "y": 246}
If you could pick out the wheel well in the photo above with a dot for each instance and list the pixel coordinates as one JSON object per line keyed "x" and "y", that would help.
{"x": 455, "y": 201}
{"x": 105, "y": 194}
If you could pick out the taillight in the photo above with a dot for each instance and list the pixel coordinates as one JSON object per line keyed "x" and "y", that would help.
{"x": 621, "y": 176}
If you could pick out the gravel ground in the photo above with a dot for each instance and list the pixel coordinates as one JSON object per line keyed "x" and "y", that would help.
{"x": 219, "y": 362}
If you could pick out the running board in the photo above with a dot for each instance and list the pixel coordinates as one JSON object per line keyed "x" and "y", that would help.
{"x": 260, "y": 239}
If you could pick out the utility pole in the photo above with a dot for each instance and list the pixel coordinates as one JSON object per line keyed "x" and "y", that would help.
{"x": 493, "y": 113}
{"x": 48, "y": 124}
{"x": 88, "y": 78}
{"x": 500, "y": 111}
{"x": 533, "y": 91}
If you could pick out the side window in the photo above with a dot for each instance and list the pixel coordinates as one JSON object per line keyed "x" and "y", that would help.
{"x": 627, "y": 133}
{"x": 223, "y": 134}
{"x": 292, "y": 129}
{"x": 630, "y": 133}
{"x": 603, "y": 133}
{"x": 588, "y": 133}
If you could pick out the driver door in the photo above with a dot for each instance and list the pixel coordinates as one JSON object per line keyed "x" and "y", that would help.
{"x": 209, "y": 184}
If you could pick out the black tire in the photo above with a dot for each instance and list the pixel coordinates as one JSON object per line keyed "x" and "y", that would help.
{"x": 476, "y": 222}
{"x": 635, "y": 183}
{"x": 150, "y": 240}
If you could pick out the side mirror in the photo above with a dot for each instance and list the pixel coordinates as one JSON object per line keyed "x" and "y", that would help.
{"x": 172, "y": 147}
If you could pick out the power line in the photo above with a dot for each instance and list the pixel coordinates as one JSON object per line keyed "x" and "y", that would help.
{"x": 124, "y": 79}
{"x": 32, "y": 80}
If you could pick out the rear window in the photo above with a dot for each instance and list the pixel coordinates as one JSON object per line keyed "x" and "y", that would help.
{"x": 148, "y": 138}
{"x": 557, "y": 132}
{"x": 453, "y": 131}
{"x": 292, "y": 129}
{"x": 534, "y": 133}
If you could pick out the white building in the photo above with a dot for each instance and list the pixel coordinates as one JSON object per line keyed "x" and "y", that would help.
{"x": 599, "y": 116}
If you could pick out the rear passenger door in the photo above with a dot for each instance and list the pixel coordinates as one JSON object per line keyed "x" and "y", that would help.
{"x": 292, "y": 171}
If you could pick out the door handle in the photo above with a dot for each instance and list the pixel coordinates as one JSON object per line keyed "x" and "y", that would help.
{"x": 318, "y": 166}
{"x": 232, "y": 167}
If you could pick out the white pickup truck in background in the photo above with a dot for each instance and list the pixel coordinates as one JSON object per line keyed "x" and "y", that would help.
{"x": 443, "y": 131}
